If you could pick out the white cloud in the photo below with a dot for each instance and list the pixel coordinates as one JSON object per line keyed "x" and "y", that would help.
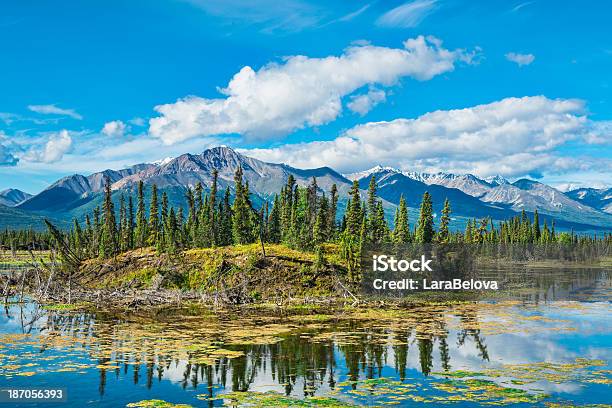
{"x": 520, "y": 59}
{"x": 54, "y": 110}
{"x": 53, "y": 150}
{"x": 137, "y": 121}
{"x": 514, "y": 136}
{"x": 407, "y": 15}
{"x": 280, "y": 98}
{"x": 520, "y": 6}
{"x": 6, "y": 157}
{"x": 350, "y": 16}
{"x": 114, "y": 128}
{"x": 270, "y": 15}
{"x": 364, "y": 103}
{"x": 600, "y": 133}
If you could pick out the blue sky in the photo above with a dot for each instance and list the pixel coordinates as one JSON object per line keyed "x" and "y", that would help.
{"x": 520, "y": 88}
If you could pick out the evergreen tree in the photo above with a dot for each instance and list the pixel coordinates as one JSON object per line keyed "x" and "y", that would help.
{"x": 536, "y": 226}
{"x": 425, "y": 228}
{"x": 286, "y": 208}
{"x": 130, "y": 223}
{"x": 242, "y": 227}
{"x": 108, "y": 243}
{"x": 354, "y": 213}
{"x": 225, "y": 232}
{"x": 468, "y": 232}
{"x": 401, "y": 231}
{"x": 153, "y": 228}
{"x": 141, "y": 219}
{"x": 163, "y": 223}
{"x": 171, "y": 233}
{"x": 333, "y": 208}
{"x": 274, "y": 222}
{"x": 123, "y": 225}
{"x": 321, "y": 226}
{"x": 443, "y": 233}
{"x": 212, "y": 209}
{"x": 372, "y": 201}
{"x": 78, "y": 239}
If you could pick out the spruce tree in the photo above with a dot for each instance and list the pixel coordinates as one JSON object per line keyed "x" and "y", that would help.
{"x": 171, "y": 232}
{"x": 78, "y": 239}
{"x": 286, "y": 208}
{"x": 242, "y": 227}
{"x": 153, "y": 228}
{"x": 354, "y": 213}
{"x": 467, "y": 236}
{"x": 225, "y": 233}
{"x": 212, "y": 209}
{"x": 333, "y": 208}
{"x": 108, "y": 243}
{"x": 130, "y": 223}
{"x": 163, "y": 220}
{"x": 401, "y": 231}
{"x": 536, "y": 226}
{"x": 372, "y": 202}
{"x": 425, "y": 227}
{"x": 274, "y": 222}
{"x": 141, "y": 218}
{"x": 123, "y": 227}
{"x": 320, "y": 228}
{"x": 443, "y": 233}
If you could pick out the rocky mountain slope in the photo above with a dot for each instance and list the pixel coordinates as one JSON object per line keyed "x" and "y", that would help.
{"x": 600, "y": 199}
{"x": 470, "y": 196}
{"x": 12, "y": 197}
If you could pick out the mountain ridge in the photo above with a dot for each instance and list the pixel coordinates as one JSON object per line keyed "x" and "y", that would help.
{"x": 12, "y": 197}
{"x": 469, "y": 195}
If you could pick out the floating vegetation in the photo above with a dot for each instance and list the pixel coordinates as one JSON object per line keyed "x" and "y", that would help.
{"x": 272, "y": 399}
{"x": 156, "y": 403}
{"x": 334, "y": 359}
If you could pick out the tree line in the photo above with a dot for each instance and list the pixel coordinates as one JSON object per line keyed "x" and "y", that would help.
{"x": 299, "y": 217}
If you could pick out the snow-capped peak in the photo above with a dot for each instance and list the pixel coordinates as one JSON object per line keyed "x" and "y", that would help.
{"x": 497, "y": 179}
{"x": 163, "y": 161}
{"x": 366, "y": 173}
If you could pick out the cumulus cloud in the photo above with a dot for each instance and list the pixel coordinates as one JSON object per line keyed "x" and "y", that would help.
{"x": 408, "y": 15}
{"x": 54, "y": 110}
{"x": 520, "y": 59}
{"x": 600, "y": 133}
{"x": 301, "y": 91}
{"x": 53, "y": 150}
{"x": 364, "y": 103}
{"x": 114, "y": 128}
{"x": 513, "y": 136}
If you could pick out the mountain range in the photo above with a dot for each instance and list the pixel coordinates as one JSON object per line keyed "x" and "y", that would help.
{"x": 12, "y": 197}
{"x": 470, "y": 196}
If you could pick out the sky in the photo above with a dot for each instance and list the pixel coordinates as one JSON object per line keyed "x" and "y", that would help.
{"x": 517, "y": 88}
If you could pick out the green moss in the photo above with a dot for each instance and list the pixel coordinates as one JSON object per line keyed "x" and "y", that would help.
{"x": 272, "y": 399}
{"x": 156, "y": 403}
{"x": 67, "y": 306}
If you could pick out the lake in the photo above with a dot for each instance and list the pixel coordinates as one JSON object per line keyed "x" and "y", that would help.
{"x": 550, "y": 350}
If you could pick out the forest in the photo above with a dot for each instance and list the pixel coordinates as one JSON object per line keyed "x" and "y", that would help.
{"x": 302, "y": 218}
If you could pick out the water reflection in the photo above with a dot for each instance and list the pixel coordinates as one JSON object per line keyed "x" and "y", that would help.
{"x": 194, "y": 355}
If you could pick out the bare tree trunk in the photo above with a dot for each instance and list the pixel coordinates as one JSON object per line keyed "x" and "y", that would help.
{"x": 23, "y": 276}
{"x": 70, "y": 288}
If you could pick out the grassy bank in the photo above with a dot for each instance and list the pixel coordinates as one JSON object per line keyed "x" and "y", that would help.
{"x": 236, "y": 274}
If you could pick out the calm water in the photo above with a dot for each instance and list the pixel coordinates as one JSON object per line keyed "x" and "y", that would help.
{"x": 505, "y": 352}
